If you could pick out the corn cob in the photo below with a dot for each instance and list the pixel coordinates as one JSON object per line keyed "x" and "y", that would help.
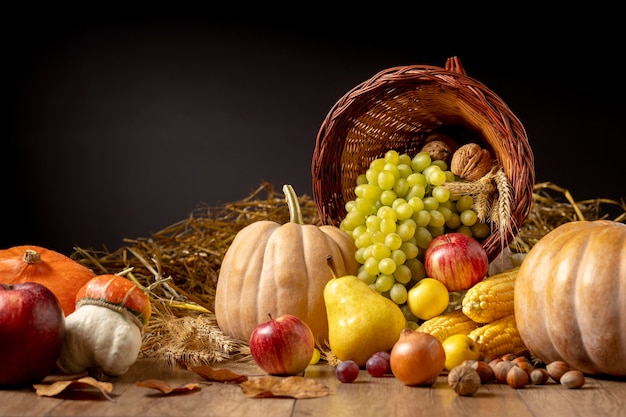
{"x": 447, "y": 324}
{"x": 491, "y": 298}
{"x": 498, "y": 338}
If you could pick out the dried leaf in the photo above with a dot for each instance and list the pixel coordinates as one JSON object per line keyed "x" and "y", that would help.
{"x": 166, "y": 388}
{"x": 55, "y": 388}
{"x": 292, "y": 386}
{"x": 219, "y": 375}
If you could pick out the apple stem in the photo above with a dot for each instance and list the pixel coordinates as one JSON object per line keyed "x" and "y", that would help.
{"x": 331, "y": 265}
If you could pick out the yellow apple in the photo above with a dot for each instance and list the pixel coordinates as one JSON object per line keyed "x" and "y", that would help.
{"x": 428, "y": 298}
{"x": 459, "y": 348}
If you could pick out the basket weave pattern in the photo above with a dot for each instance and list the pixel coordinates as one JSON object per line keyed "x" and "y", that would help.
{"x": 396, "y": 109}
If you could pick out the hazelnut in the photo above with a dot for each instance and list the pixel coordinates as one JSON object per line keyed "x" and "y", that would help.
{"x": 485, "y": 371}
{"x": 464, "y": 380}
{"x": 517, "y": 377}
{"x": 556, "y": 369}
{"x": 573, "y": 379}
{"x": 471, "y": 162}
{"x": 501, "y": 369}
{"x": 539, "y": 376}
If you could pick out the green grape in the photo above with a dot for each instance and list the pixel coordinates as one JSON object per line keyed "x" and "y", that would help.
{"x": 440, "y": 163}
{"x": 417, "y": 190}
{"x": 402, "y": 274}
{"x": 365, "y": 277}
{"x": 420, "y": 161}
{"x": 372, "y": 177}
{"x": 393, "y": 168}
{"x": 417, "y": 203}
{"x": 387, "y": 212}
{"x": 454, "y": 221}
{"x": 361, "y": 179}
{"x": 421, "y": 218}
{"x": 436, "y": 219}
{"x": 349, "y": 206}
{"x": 387, "y": 197}
{"x": 398, "y": 257}
{"x": 480, "y": 230}
{"x": 450, "y": 176}
{"x": 397, "y": 202}
{"x": 369, "y": 191}
{"x": 441, "y": 194}
{"x": 405, "y": 169}
{"x": 393, "y": 241}
{"x": 386, "y": 179}
{"x": 384, "y": 282}
{"x": 465, "y": 229}
{"x": 398, "y": 293}
{"x": 358, "y": 255}
{"x": 406, "y": 229}
{"x": 404, "y": 211}
{"x": 468, "y": 217}
{"x": 445, "y": 211}
{"x": 423, "y": 236}
{"x": 371, "y": 266}
{"x": 450, "y": 205}
{"x": 378, "y": 164}
{"x": 378, "y": 236}
{"x": 365, "y": 205}
{"x": 465, "y": 202}
{"x": 387, "y": 225}
{"x": 410, "y": 249}
{"x": 363, "y": 240}
{"x": 436, "y": 177}
{"x": 387, "y": 266}
{"x": 436, "y": 230}
{"x": 405, "y": 159}
{"x": 401, "y": 188}
{"x": 416, "y": 266}
{"x": 373, "y": 223}
{"x": 430, "y": 203}
{"x": 417, "y": 178}
{"x": 352, "y": 220}
{"x": 359, "y": 230}
{"x": 367, "y": 252}
{"x": 392, "y": 156}
{"x": 380, "y": 251}
{"x": 408, "y": 315}
{"x": 427, "y": 172}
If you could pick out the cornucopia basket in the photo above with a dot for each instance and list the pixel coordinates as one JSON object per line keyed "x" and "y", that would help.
{"x": 396, "y": 109}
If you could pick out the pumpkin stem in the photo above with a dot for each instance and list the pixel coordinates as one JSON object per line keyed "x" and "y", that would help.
{"x": 295, "y": 213}
{"x": 31, "y": 256}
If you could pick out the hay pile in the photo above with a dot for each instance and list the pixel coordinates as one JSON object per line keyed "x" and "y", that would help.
{"x": 179, "y": 265}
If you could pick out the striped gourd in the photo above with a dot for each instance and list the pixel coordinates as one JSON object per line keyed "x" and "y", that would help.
{"x": 491, "y": 298}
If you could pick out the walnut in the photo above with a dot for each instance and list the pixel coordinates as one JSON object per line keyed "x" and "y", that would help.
{"x": 438, "y": 150}
{"x": 471, "y": 162}
{"x": 440, "y": 137}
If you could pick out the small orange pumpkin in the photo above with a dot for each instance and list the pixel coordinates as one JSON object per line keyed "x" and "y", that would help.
{"x": 59, "y": 273}
{"x": 277, "y": 269}
{"x": 570, "y": 297}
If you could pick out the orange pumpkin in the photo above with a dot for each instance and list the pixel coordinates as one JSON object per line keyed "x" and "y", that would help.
{"x": 570, "y": 297}
{"x": 277, "y": 269}
{"x": 59, "y": 273}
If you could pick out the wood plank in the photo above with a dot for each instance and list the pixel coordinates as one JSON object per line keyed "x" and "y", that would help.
{"x": 365, "y": 397}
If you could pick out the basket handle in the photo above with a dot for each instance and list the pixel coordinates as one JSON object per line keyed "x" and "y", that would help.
{"x": 454, "y": 64}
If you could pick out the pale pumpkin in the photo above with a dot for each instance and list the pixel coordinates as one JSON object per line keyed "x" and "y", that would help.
{"x": 274, "y": 269}
{"x": 570, "y": 297}
{"x": 60, "y": 274}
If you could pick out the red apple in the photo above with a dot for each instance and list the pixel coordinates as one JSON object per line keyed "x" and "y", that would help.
{"x": 457, "y": 260}
{"x": 282, "y": 346}
{"x": 32, "y": 328}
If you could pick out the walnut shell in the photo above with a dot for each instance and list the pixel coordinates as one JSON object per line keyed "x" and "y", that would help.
{"x": 471, "y": 162}
{"x": 440, "y": 146}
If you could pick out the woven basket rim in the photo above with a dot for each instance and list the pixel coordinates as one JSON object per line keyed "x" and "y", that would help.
{"x": 511, "y": 148}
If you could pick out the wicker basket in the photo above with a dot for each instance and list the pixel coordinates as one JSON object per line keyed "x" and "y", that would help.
{"x": 396, "y": 109}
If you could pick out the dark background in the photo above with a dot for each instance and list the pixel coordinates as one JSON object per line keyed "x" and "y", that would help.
{"x": 117, "y": 127}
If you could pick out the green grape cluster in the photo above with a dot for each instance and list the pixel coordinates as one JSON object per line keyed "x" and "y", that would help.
{"x": 401, "y": 204}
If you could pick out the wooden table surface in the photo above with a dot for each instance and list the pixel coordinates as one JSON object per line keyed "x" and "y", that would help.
{"x": 365, "y": 397}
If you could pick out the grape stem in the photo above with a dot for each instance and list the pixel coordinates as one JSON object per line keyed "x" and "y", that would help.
{"x": 295, "y": 213}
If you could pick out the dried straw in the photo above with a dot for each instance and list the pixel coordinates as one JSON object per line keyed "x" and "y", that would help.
{"x": 179, "y": 266}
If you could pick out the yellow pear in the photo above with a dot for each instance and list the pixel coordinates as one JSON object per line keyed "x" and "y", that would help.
{"x": 361, "y": 321}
